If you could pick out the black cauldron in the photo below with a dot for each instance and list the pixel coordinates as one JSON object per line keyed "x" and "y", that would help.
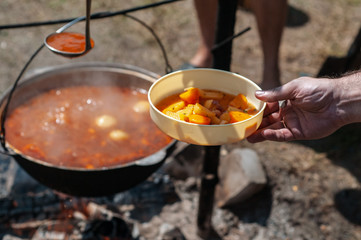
{"x": 84, "y": 182}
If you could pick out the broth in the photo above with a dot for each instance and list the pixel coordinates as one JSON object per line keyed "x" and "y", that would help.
{"x": 207, "y": 107}
{"x": 85, "y": 127}
{"x": 68, "y": 42}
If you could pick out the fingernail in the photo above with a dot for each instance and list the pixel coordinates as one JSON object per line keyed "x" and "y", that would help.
{"x": 260, "y": 93}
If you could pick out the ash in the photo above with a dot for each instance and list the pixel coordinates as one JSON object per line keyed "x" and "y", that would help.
{"x": 165, "y": 207}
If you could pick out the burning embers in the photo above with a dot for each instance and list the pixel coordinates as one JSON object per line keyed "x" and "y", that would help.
{"x": 50, "y": 216}
{"x": 98, "y": 223}
{"x": 29, "y": 210}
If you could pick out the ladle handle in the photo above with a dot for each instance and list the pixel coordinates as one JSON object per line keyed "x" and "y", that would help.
{"x": 87, "y": 17}
{"x": 87, "y": 26}
{"x": 68, "y": 25}
{"x": 7, "y": 103}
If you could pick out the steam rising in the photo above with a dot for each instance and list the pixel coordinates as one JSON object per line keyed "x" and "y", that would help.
{"x": 101, "y": 117}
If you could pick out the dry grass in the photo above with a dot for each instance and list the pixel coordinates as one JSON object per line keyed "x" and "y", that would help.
{"x": 332, "y": 27}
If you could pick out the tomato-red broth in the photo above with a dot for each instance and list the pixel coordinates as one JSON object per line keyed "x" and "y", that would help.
{"x": 71, "y": 127}
{"x": 68, "y": 42}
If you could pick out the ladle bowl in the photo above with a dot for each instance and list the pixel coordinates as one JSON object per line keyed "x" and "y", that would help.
{"x": 89, "y": 43}
{"x": 75, "y": 44}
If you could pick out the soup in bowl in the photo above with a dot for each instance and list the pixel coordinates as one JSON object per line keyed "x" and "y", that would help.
{"x": 211, "y": 80}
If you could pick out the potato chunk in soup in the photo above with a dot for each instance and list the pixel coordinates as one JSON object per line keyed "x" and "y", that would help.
{"x": 141, "y": 107}
{"x": 118, "y": 135}
{"x": 105, "y": 121}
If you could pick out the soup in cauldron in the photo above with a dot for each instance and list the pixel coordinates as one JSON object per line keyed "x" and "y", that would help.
{"x": 85, "y": 127}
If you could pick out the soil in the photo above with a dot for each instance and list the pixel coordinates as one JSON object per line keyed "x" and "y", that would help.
{"x": 313, "y": 189}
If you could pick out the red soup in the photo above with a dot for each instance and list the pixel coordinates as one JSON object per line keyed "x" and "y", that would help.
{"x": 86, "y": 127}
{"x": 68, "y": 42}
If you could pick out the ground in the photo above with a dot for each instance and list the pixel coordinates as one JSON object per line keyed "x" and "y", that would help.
{"x": 313, "y": 189}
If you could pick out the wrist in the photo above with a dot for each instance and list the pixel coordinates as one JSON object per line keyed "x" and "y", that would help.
{"x": 348, "y": 93}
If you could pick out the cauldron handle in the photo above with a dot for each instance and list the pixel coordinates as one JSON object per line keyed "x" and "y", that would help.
{"x": 4, "y": 112}
{"x": 158, "y": 156}
{"x": 3, "y": 116}
{"x": 8, "y": 153}
{"x": 168, "y": 67}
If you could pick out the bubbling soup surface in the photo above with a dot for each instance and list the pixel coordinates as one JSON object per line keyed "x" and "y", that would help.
{"x": 85, "y": 127}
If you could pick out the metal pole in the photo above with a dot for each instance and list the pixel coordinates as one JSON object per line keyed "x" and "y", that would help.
{"x": 222, "y": 56}
{"x": 225, "y": 28}
{"x": 206, "y": 194}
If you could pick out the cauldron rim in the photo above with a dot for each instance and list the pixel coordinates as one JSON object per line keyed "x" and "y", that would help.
{"x": 140, "y": 162}
{"x": 150, "y": 162}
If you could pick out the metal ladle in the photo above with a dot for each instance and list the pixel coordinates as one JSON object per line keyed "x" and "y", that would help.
{"x": 87, "y": 35}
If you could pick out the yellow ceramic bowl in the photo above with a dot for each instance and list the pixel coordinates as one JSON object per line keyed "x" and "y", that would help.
{"x": 207, "y": 135}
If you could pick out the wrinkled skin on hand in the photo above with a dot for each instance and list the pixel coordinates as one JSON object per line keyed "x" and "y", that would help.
{"x": 311, "y": 111}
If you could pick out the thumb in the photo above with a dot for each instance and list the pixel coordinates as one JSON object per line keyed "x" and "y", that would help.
{"x": 284, "y": 92}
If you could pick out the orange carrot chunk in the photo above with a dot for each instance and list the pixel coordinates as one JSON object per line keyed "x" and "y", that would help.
{"x": 190, "y": 96}
{"x": 33, "y": 150}
{"x": 237, "y": 116}
{"x": 240, "y": 101}
{"x": 199, "y": 119}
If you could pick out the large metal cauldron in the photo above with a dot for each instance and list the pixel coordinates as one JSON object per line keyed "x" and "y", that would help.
{"x": 83, "y": 182}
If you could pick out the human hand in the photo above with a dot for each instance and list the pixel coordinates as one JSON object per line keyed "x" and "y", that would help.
{"x": 310, "y": 111}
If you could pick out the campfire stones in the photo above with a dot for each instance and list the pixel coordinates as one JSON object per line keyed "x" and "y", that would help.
{"x": 148, "y": 194}
{"x": 7, "y": 172}
{"x": 240, "y": 171}
{"x": 241, "y": 175}
{"x": 170, "y": 232}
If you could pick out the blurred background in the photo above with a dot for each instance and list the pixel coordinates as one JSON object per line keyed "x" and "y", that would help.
{"x": 316, "y": 30}
{"x": 313, "y": 187}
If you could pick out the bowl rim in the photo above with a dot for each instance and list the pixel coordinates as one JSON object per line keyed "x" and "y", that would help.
{"x": 165, "y": 77}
